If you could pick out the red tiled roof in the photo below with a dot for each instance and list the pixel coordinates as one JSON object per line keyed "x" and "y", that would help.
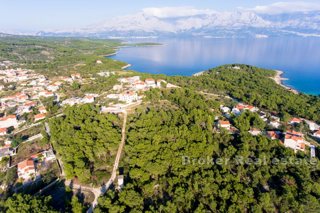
{"x": 8, "y": 117}
{"x": 38, "y": 116}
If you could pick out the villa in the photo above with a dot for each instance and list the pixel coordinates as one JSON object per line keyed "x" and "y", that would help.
{"x": 294, "y": 142}
{"x": 26, "y": 169}
{"x": 128, "y": 96}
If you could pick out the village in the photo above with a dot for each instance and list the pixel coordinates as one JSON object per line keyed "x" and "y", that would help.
{"x": 24, "y": 117}
{"x": 287, "y": 133}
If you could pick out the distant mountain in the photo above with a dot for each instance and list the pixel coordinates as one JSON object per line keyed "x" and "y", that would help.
{"x": 206, "y": 24}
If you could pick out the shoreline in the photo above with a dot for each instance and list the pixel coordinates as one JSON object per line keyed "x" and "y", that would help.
{"x": 198, "y": 73}
{"x": 279, "y": 80}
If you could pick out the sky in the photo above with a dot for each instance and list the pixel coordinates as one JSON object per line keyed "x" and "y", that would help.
{"x": 36, "y": 15}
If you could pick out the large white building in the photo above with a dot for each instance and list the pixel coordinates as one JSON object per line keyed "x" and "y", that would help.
{"x": 9, "y": 121}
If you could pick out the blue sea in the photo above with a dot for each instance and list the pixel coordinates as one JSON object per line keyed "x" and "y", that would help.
{"x": 298, "y": 58}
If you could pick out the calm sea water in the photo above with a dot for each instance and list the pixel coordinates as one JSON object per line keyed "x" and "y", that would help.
{"x": 299, "y": 58}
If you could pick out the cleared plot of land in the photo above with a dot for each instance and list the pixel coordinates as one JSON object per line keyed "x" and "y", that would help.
{"x": 25, "y": 150}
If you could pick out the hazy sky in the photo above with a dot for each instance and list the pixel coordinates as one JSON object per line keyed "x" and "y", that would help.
{"x": 34, "y": 15}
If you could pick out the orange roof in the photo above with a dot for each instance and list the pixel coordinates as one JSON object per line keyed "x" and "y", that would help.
{"x": 240, "y": 106}
{"x": 297, "y": 120}
{"x": 26, "y": 163}
{"x": 8, "y": 117}
{"x": 224, "y": 122}
{"x": 273, "y": 134}
{"x": 38, "y": 116}
{"x": 293, "y": 137}
{"x": 30, "y": 103}
{"x": 317, "y": 132}
{"x": 292, "y": 132}
{"x": 2, "y": 130}
{"x": 42, "y": 108}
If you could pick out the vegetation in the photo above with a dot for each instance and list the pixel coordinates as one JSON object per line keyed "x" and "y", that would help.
{"x": 254, "y": 85}
{"x": 25, "y": 203}
{"x": 59, "y": 56}
{"x": 86, "y": 141}
{"x": 175, "y": 162}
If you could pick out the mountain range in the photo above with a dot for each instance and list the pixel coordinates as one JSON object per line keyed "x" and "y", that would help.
{"x": 204, "y": 23}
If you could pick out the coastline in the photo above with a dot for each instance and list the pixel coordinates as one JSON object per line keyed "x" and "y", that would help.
{"x": 198, "y": 73}
{"x": 279, "y": 80}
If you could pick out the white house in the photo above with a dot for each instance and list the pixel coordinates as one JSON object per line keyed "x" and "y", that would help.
{"x": 88, "y": 99}
{"x": 9, "y": 121}
{"x": 128, "y": 96}
{"x": 224, "y": 109}
{"x": 49, "y": 155}
{"x": 150, "y": 82}
{"x": 255, "y": 131}
{"x": 139, "y": 85}
{"x": 294, "y": 142}
{"x": 53, "y": 88}
{"x": 26, "y": 169}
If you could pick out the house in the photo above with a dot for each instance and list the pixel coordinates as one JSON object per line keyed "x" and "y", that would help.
{"x": 49, "y": 155}
{"x": 224, "y": 124}
{"x": 3, "y": 131}
{"x": 139, "y": 85}
{"x": 312, "y": 125}
{"x": 9, "y": 121}
{"x": 39, "y": 117}
{"x": 26, "y": 169}
{"x": 53, "y": 87}
{"x": 294, "y": 142}
{"x": 294, "y": 133}
{"x": 224, "y": 109}
{"x": 254, "y": 131}
{"x": 150, "y": 82}
{"x": 42, "y": 109}
{"x": 46, "y": 94}
{"x": 88, "y": 99}
{"x": 295, "y": 121}
{"x": 273, "y": 135}
{"x": 99, "y": 62}
{"x": 275, "y": 124}
{"x": 71, "y": 101}
{"x": 128, "y": 96}
{"x": 317, "y": 134}
{"x": 117, "y": 87}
